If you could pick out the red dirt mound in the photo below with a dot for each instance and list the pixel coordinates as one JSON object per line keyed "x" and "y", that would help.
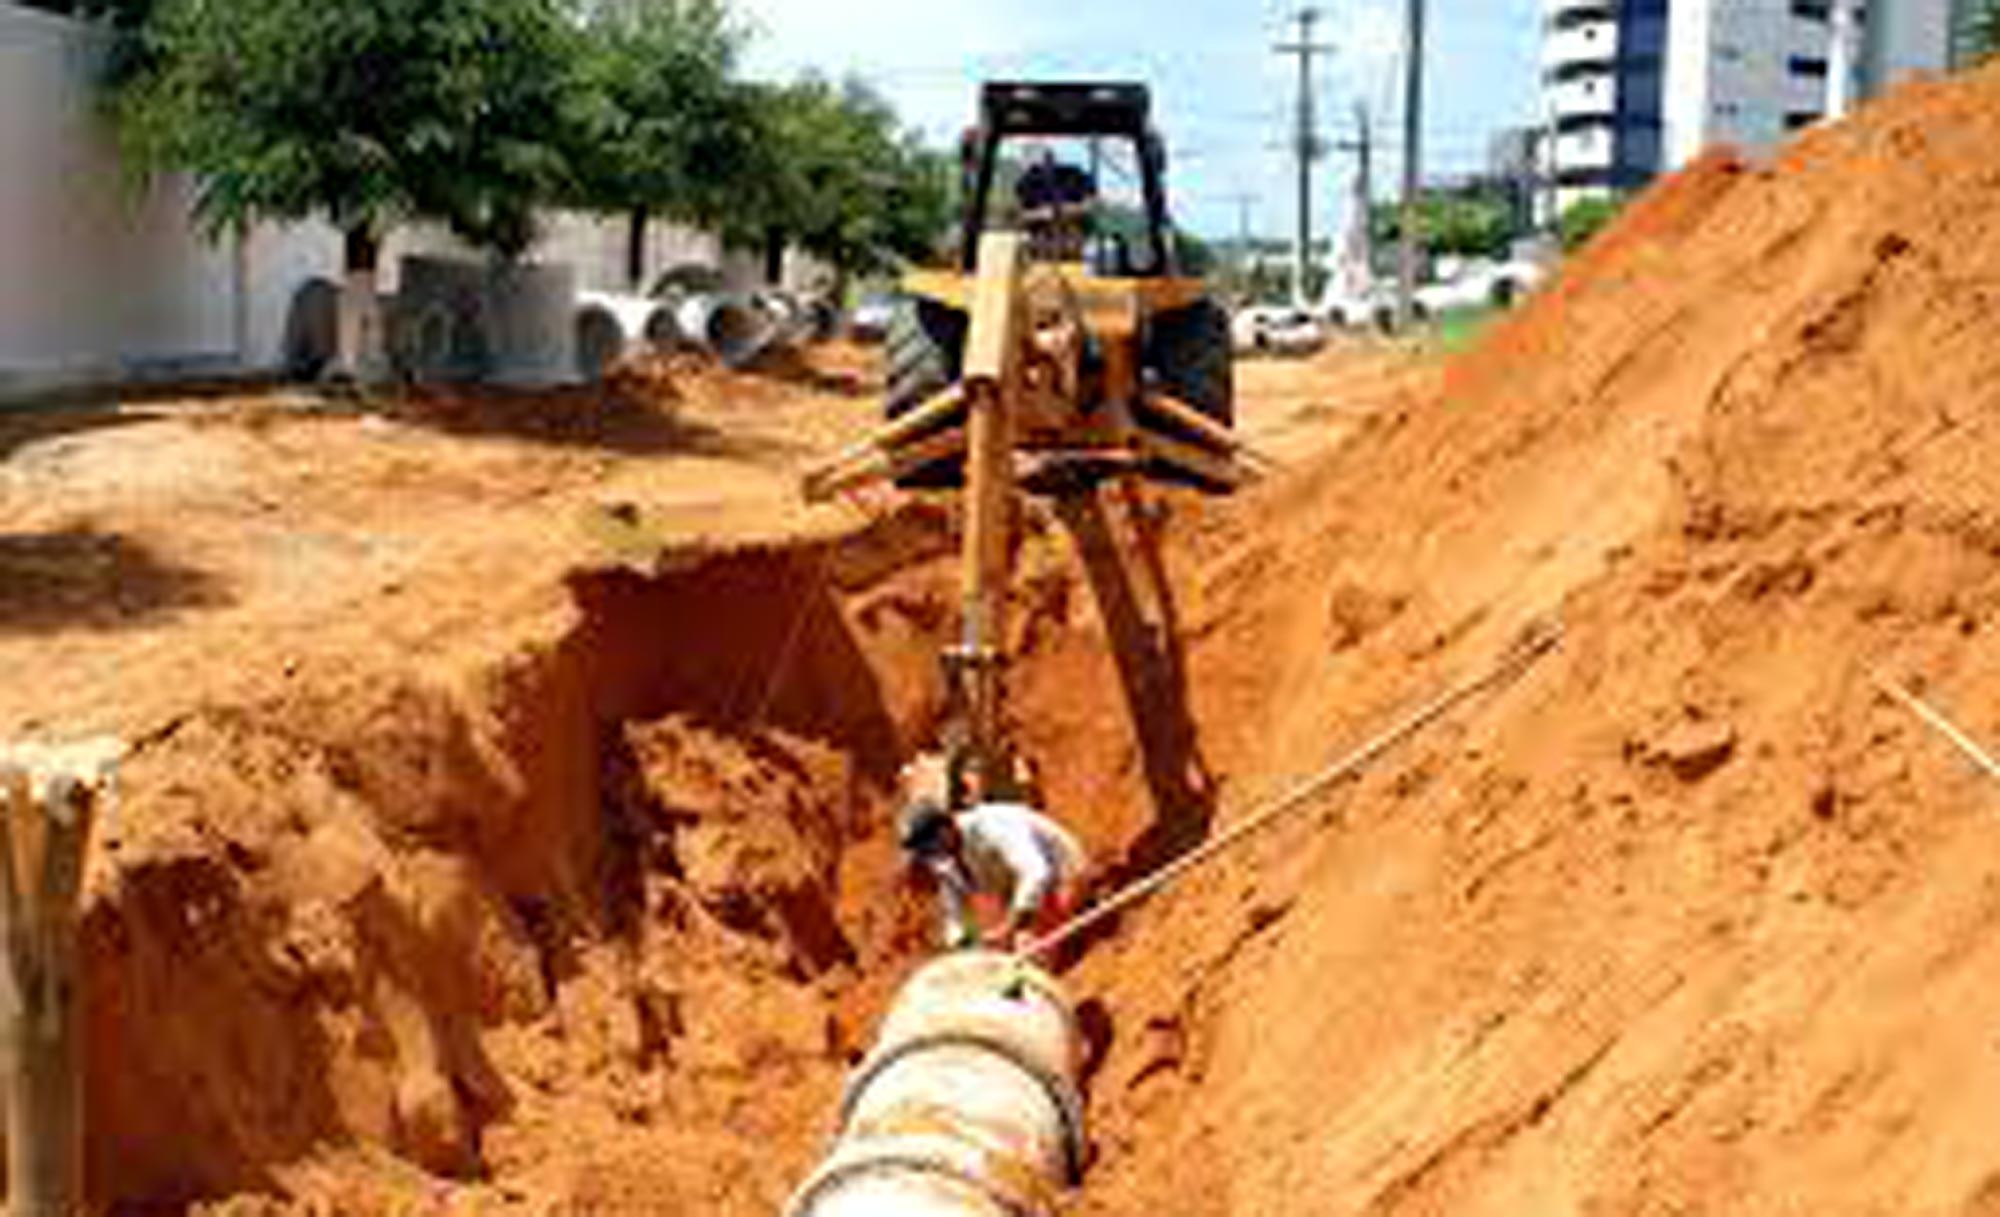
{"x": 1690, "y": 919}
{"x": 572, "y": 925}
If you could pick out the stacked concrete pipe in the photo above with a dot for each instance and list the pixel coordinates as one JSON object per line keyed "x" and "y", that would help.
{"x": 966, "y": 1107}
{"x": 530, "y": 311}
{"x": 731, "y": 325}
{"x": 612, "y": 325}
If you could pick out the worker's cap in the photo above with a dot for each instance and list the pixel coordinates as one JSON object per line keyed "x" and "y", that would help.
{"x": 921, "y": 827}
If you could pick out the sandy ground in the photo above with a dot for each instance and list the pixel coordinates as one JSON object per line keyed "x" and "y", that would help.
{"x": 475, "y": 856}
{"x": 394, "y": 678}
{"x": 169, "y": 551}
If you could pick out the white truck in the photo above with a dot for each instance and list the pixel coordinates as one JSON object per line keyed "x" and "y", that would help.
{"x": 1460, "y": 284}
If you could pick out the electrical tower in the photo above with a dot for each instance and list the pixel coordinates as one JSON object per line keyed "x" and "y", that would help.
{"x": 1306, "y": 145}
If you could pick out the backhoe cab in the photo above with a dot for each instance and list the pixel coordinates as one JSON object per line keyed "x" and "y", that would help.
{"x": 1116, "y": 363}
{"x": 1054, "y": 199}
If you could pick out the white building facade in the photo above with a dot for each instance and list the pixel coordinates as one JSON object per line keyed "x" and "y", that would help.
{"x": 1603, "y": 65}
{"x": 1634, "y": 88}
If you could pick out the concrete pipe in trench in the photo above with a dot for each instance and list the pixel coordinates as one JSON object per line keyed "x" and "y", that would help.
{"x": 966, "y": 1107}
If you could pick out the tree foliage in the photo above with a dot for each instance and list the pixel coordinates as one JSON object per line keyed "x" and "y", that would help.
{"x": 1468, "y": 225}
{"x": 1198, "y": 258}
{"x": 366, "y": 112}
{"x": 830, "y": 170}
{"x": 478, "y": 113}
{"x": 1585, "y": 218}
{"x": 660, "y": 121}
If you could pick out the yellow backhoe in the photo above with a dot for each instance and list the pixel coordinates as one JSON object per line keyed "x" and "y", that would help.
{"x": 1066, "y": 349}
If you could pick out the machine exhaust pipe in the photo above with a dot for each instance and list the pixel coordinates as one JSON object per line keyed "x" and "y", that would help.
{"x": 967, "y": 1106}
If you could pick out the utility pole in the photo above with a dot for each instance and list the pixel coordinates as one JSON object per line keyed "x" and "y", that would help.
{"x": 1840, "y": 58}
{"x": 1413, "y": 159}
{"x": 1362, "y": 249}
{"x": 1306, "y": 146}
{"x": 1244, "y": 201}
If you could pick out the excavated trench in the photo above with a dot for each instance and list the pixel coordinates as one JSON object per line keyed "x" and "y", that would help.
{"x": 596, "y": 922}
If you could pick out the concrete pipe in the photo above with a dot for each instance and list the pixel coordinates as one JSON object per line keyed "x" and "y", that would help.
{"x": 800, "y": 319}
{"x": 824, "y": 318}
{"x": 782, "y": 308}
{"x": 532, "y": 312}
{"x": 312, "y": 328}
{"x": 967, "y": 1107}
{"x": 439, "y": 330}
{"x": 731, "y": 326}
{"x": 610, "y": 326}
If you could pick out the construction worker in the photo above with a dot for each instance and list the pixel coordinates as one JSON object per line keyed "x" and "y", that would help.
{"x": 1048, "y": 186}
{"x": 1002, "y": 849}
{"x": 1055, "y": 201}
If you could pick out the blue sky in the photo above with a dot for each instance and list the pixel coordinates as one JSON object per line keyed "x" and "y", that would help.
{"x": 1223, "y": 96}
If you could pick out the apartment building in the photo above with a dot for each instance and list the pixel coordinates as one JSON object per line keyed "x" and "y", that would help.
{"x": 1632, "y": 88}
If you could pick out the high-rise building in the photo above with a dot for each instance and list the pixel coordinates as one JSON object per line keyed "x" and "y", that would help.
{"x": 1602, "y": 79}
{"x": 1632, "y": 88}
{"x": 1905, "y": 37}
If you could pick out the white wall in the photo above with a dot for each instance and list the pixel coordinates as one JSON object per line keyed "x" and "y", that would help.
{"x": 67, "y": 229}
{"x": 99, "y": 283}
{"x": 1686, "y": 96}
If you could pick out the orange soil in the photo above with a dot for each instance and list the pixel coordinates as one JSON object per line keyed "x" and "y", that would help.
{"x": 462, "y": 871}
{"x": 503, "y": 831}
{"x": 1690, "y": 919}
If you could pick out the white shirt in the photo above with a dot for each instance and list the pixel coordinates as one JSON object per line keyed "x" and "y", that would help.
{"x": 1009, "y": 850}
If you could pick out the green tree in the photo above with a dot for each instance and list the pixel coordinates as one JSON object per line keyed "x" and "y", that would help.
{"x": 829, "y": 171}
{"x": 1474, "y": 225}
{"x": 662, "y": 127}
{"x": 1197, "y": 257}
{"x": 364, "y": 112}
{"x": 1585, "y": 218}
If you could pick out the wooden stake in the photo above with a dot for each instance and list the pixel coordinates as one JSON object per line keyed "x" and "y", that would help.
{"x": 46, "y": 814}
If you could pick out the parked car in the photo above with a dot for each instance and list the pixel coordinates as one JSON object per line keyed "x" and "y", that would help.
{"x": 1462, "y": 284}
{"x": 1277, "y": 330}
{"x": 869, "y": 320}
{"x": 1482, "y": 282}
